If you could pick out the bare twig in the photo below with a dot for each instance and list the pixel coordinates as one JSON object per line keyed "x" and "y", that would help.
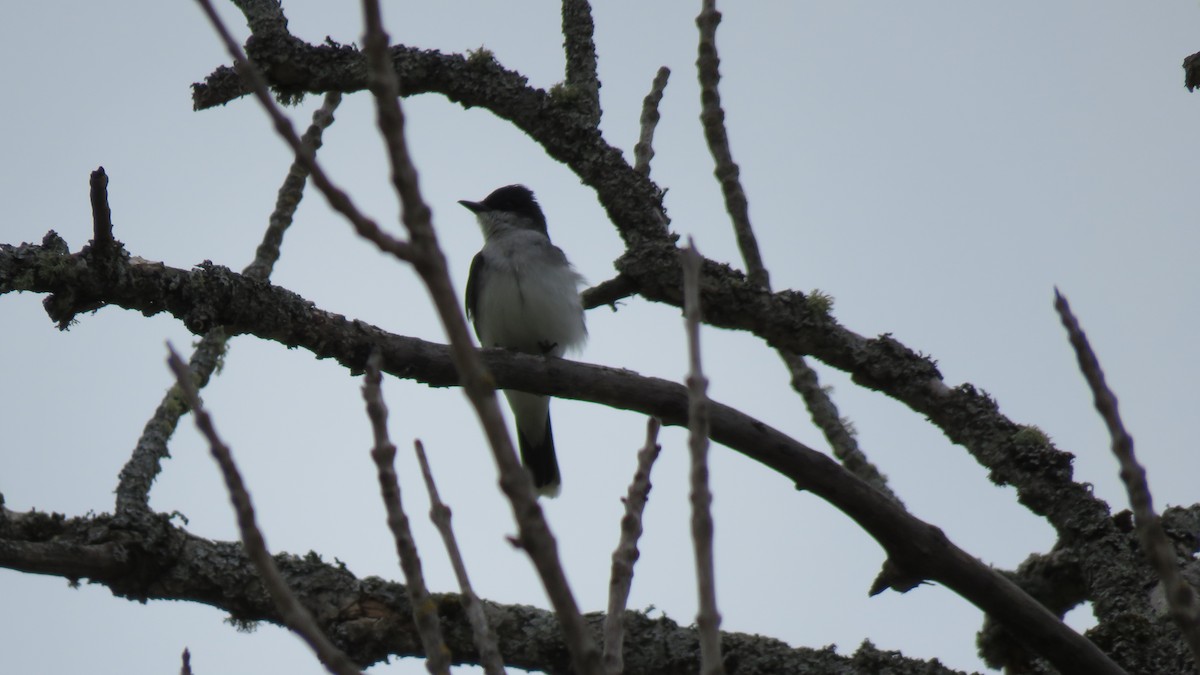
{"x": 581, "y": 76}
{"x": 133, "y": 488}
{"x": 535, "y": 536}
{"x": 1181, "y": 597}
{"x": 825, "y": 415}
{"x": 626, "y": 554}
{"x": 804, "y": 379}
{"x": 290, "y": 193}
{"x": 713, "y": 119}
{"x": 186, "y": 668}
{"x": 338, "y": 200}
{"x": 437, "y": 657}
{"x": 439, "y": 513}
{"x": 643, "y": 151}
{"x": 293, "y": 614}
{"x": 708, "y": 619}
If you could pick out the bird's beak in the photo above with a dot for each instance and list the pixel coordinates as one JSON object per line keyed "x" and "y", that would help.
{"x": 473, "y": 207}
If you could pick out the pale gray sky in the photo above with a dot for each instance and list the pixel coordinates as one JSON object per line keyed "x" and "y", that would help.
{"x": 935, "y": 167}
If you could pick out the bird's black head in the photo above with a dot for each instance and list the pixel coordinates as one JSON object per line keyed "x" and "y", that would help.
{"x": 516, "y": 200}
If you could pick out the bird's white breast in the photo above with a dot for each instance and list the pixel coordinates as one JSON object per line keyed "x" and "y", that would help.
{"x": 530, "y": 298}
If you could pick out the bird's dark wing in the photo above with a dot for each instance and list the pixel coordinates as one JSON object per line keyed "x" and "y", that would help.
{"x": 474, "y": 278}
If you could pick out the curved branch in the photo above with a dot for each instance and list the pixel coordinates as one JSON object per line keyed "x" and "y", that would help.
{"x": 213, "y": 295}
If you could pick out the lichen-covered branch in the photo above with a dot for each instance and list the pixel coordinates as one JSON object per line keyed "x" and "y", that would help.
{"x": 371, "y": 619}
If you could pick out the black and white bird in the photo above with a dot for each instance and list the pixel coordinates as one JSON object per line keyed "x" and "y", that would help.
{"x": 523, "y": 295}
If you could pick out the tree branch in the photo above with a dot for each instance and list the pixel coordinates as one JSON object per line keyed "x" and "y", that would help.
{"x": 1181, "y": 598}
{"x": 102, "y": 225}
{"x": 784, "y": 319}
{"x": 713, "y": 119}
{"x": 708, "y": 618}
{"x": 439, "y": 513}
{"x": 581, "y": 76}
{"x": 626, "y": 553}
{"x": 371, "y": 619}
{"x": 212, "y": 295}
{"x": 643, "y": 151}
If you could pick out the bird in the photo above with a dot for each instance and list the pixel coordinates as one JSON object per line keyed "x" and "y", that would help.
{"x": 523, "y": 295}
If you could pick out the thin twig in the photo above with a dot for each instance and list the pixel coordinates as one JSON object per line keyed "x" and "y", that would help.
{"x": 643, "y": 151}
{"x": 338, "y": 200}
{"x": 708, "y": 619}
{"x": 713, "y": 119}
{"x": 803, "y": 378}
{"x": 437, "y": 656}
{"x": 825, "y": 415}
{"x": 186, "y": 668}
{"x": 291, "y": 612}
{"x": 133, "y": 488}
{"x": 1181, "y": 597}
{"x": 626, "y": 553}
{"x": 288, "y": 197}
{"x": 439, "y": 513}
{"x": 430, "y": 263}
{"x": 581, "y": 75}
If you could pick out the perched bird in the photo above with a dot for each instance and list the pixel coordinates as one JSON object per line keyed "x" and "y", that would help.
{"x": 523, "y": 295}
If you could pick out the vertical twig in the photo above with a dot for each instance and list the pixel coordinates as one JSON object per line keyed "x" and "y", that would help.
{"x": 430, "y": 264}
{"x": 708, "y": 619}
{"x": 626, "y": 553}
{"x": 1181, "y": 598}
{"x": 291, "y": 612}
{"x": 145, "y": 463}
{"x": 804, "y": 379}
{"x": 643, "y": 151}
{"x": 437, "y": 656}
{"x": 580, "y": 48}
{"x": 439, "y": 513}
{"x": 712, "y": 117}
{"x": 102, "y": 225}
{"x": 186, "y": 667}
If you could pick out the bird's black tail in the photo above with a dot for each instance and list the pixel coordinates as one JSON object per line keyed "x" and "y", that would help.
{"x": 540, "y": 460}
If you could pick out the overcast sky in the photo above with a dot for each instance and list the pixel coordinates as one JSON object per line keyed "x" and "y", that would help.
{"x": 936, "y": 167}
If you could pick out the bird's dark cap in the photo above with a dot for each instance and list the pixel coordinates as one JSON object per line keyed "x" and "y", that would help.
{"x": 515, "y": 199}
